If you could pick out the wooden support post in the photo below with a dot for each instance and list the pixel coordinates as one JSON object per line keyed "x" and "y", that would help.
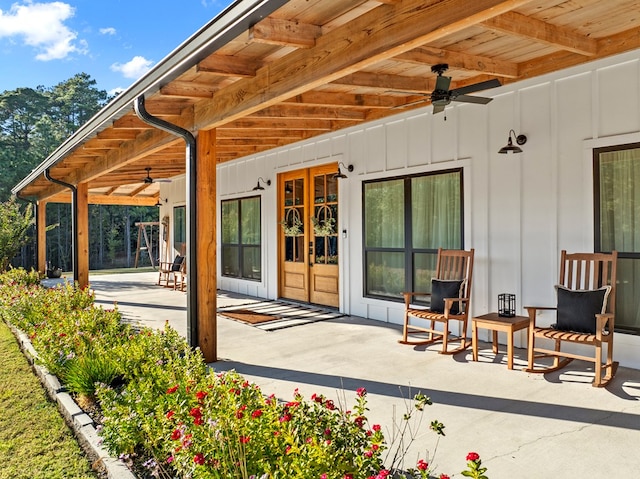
{"x": 206, "y": 244}
{"x": 41, "y": 236}
{"x": 82, "y": 209}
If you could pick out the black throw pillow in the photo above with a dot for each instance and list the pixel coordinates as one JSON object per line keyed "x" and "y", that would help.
{"x": 441, "y": 289}
{"x": 177, "y": 263}
{"x": 577, "y": 309}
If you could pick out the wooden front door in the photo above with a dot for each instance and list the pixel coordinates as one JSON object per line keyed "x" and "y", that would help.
{"x": 308, "y": 206}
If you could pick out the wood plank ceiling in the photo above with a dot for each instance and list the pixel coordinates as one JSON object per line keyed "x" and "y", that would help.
{"x": 316, "y": 66}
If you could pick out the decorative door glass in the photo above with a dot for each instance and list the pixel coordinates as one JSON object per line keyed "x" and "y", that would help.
{"x": 293, "y": 222}
{"x": 325, "y": 219}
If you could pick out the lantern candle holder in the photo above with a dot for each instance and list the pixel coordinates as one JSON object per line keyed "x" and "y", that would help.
{"x": 506, "y": 305}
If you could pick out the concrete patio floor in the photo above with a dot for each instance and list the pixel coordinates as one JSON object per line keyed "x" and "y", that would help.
{"x": 522, "y": 425}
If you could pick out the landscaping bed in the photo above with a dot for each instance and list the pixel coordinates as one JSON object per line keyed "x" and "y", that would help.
{"x": 160, "y": 409}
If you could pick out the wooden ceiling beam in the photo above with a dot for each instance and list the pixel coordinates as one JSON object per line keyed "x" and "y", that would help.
{"x": 117, "y": 134}
{"x": 344, "y": 100}
{"x": 98, "y": 199}
{"x": 284, "y": 124}
{"x": 386, "y": 82}
{"x": 232, "y": 133}
{"x": 276, "y": 31}
{"x": 513, "y": 23}
{"x": 615, "y": 44}
{"x": 226, "y": 65}
{"x": 183, "y": 89}
{"x": 294, "y": 110}
{"x": 129, "y": 122}
{"x": 140, "y": 189}
{"x": 432, "y": 56}
{"x": 379, "y": 34}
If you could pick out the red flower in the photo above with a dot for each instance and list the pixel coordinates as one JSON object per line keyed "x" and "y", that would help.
{"x": 473, "y": 456}
{"x": 175, "y": 435}
{"x": 327, "y": 432}
{"x": 198, "y": 421}
{"x": 330, "y": 405}
{"x": 444, "y": 476}
{"x": 348, "y": 476}
{"x": 195, "y": 412}
{"x": 359, "y": 421}
{"x": 361, "y": 392}
{"x": 244, "y": 439}
{"x": 285, "y": 418}
{"x": 376, "y": 427}
{"x": 173, "y": 389}
{"x": 200, "y": 395}
{"x": 199, "y": 459}
{"x": 257, "y": 413}
{"x": 423, "y": 466}
{"x": 239, "y": 414}
{"x": 170, "y": 414}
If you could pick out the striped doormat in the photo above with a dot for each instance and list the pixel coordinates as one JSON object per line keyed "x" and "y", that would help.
{"x": 284, "y": 314}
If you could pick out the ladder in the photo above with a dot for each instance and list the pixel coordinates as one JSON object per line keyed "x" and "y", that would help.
{"x": 148, "y": 245}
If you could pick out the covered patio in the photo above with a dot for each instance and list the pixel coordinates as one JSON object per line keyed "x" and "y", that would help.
{"x": 522, "y": 425}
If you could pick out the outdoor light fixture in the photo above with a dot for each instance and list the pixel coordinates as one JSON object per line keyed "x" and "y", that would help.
{"x": 259, "y": 186}
{"x": 340, "y": 174}
{"x": 510, "y": 147}
{"x": 160, "y": 200}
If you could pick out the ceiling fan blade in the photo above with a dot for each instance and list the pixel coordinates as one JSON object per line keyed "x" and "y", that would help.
{"x": 162, "y": 180}
{"x": 438, "y": 108}
{"x": 442, "y": 83}
{"x": 485, "y": 85}
{"x": 471, "y": 99}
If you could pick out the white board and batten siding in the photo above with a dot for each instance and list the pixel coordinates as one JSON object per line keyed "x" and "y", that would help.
{"x": 519, "y": 210}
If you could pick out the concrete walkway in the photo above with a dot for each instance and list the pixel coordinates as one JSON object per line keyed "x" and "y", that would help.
{"x": 522, "y": 425}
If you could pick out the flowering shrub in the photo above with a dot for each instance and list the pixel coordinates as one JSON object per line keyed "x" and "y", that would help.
{"x": 158, "y": 398}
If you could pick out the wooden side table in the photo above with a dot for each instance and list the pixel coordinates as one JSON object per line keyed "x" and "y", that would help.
{"x": 497, "y": 323}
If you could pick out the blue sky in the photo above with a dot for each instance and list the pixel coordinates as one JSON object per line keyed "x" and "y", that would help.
{"x": 114, "y": 41}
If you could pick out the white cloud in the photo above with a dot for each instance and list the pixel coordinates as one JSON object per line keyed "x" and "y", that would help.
{"x": 41, "y": 25}
{"x": 134, "y": 68}
{"x": 108, "y": 31}
{"x": 116, "y": 91}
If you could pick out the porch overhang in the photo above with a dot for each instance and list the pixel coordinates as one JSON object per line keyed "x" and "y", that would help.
{"x": 268, "y": 73}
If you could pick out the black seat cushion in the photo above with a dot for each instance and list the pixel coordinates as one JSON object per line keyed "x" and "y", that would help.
{"x": 441, "y": 289}
{"x": 177, "y": 263}
{"x": 577, "y": 309}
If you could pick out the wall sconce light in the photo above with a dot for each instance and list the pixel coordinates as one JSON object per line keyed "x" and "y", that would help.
{"x": 340, "y": 174}
{"x": 259, "y": 186}
{"x": 160, "y": 200}
{"x": 510, "y": 147}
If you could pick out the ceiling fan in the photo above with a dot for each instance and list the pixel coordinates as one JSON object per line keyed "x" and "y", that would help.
{"x": 441, "y": 96}
{"x": 148, "y": 180}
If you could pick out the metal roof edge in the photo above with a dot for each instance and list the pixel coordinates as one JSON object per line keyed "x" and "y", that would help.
{"x": 225, "y": 26}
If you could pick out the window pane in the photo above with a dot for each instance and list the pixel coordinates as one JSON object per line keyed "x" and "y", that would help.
{"x": 251, "y": 221}
{"x": 424, "y": 271}
{"x": 384, "y": 214}
{"x": 180, "y": 229}
{"x": 385, "y": 274}
{"x": 230, "y": 222}
{"x": 230, "y": 261}
{"x": 620, "y": 201}
{"x": 627, "y": 301}
{"x": 251, "y": 262}
{"x": 435, "y": 211}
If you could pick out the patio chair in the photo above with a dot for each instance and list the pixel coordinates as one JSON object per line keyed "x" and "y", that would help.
{"x": 586, "y": 296}
{"x": 167, "y": 271}
{"x": 450, "y": 298}
{"x": 180, "y": 278}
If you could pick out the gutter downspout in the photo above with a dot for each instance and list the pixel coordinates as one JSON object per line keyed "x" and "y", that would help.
{"x": 74, "y": 221}
{"x": 192, "y": 263}
{"x": 35, "y": 217}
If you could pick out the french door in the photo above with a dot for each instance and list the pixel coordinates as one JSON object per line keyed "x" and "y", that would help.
{"x": 308, "y": 238}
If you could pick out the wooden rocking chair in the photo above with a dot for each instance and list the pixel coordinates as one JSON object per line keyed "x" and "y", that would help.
{"x": 168, "y": 271}
{"x": 450, "y": 301}
{"x": 585, "y": 315}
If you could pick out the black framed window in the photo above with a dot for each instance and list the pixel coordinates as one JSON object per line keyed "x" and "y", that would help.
{"x": 241, "y": 238}
{"x": 406, "y": 220}
{"x": 180, "y": 229}
{"x": 616, "y": 172}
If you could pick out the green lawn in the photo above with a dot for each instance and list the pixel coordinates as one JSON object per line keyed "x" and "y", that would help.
{"x": 35, "y": 442}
